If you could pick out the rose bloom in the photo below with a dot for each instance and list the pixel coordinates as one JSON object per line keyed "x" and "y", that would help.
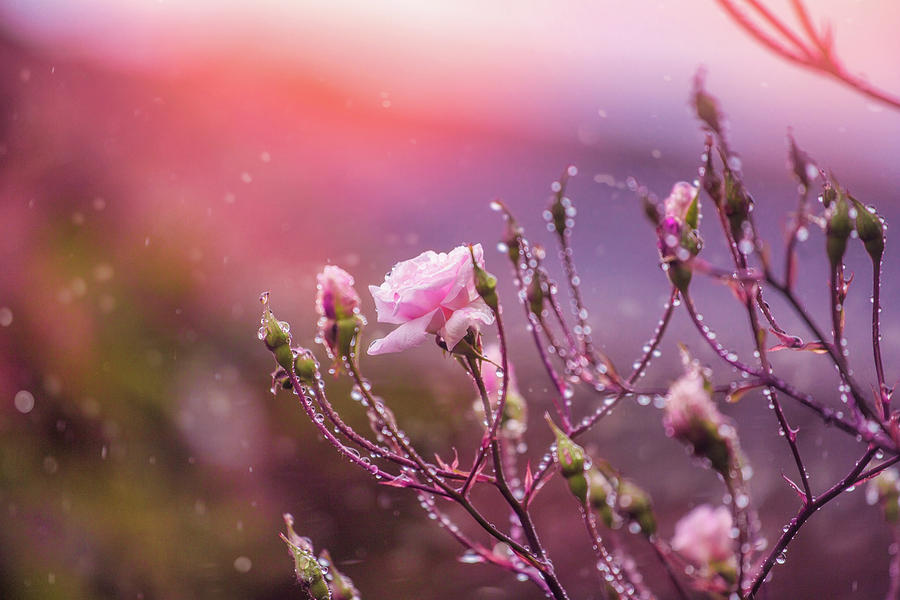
{"x": 703, "y": 536}
{"x": 336, "y": 298}
{"x": 430, "y": 294}
{"x": 687, "y": 402}
{"x": 678, "y": 202}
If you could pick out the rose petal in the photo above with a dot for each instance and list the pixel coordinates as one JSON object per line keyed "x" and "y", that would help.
{"x": 459, "y": 322}
{"x": 408, "y": 335}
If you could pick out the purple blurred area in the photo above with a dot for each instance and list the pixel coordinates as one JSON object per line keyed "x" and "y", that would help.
{"x": 160, "y": 166}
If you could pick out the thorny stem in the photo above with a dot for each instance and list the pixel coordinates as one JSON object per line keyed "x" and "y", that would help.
{"x": 603, "y": 555}
{"x": 876, "y": 339}
{"x": 836, "y": 357}
{"x": 485, "y": 554}
{"x": 517, "y": 507}
{"x": 754, "y": 294}
{"x": 742, "y": 523}
{"x": 805, "y": 513}
{"x": 372, "y": 448}
{"x": 607, "y": 408}
{"x": 827, "y": 414}
{"x": 371, "y": 468}
{"x": 493, "y": 422}
{"x": 447, "y": 490}
{"x": 572, "y": 278}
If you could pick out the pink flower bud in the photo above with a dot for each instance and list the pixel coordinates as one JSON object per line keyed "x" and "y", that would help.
{"x": 678, "y": 202}
{"x": 687, "y": 403}
{"x": 336, "y": 298}
{"x": 703, "y": 537}
{"x": 430, "y": 294}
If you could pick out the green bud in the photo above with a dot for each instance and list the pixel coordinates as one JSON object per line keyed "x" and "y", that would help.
{"x": 706, "y": 106}
{"x": 309, "y": 572}
{"x": 284, "y": 356}
{"x": 635, "y": 503}
{"x": 512, "y": 243}
{"x": 558, "y": 215}
{"x": 737, "y": 204}
{"x": 341, "y": 336}
{"x": 600, "y": 491}
{"x": 276, "y": 333}
{"x": 536, "y": 296}
{"x": 569, "y": 455}
{"x": 838, "y": 225}
{"x": 305, "y": 368}
{"x": 486, "y": 286}
{"x": 578, "y": 485}
{"x": 709, "y": 443}
{"x": 711, "y": 182}
{"x": 870, "y": 230}
{"x": 680, "y": 275}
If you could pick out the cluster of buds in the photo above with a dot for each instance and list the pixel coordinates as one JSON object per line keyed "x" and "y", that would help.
{"x": 676, "y": 230}
{"x": 337, "y": 304}
{"x": 703, "y": 537}
{"x": 318, "y": 576}
{"x": 842, "y": 213}
{"x": 691, "y": 417}
{"x": 615, "y": 499}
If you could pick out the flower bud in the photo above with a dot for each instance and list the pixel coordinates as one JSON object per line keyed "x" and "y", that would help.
{"x": 485, "y": 283}
{"x": 569, "y": 455}
{"x": 335, "y": 297}
{"x": 306, "y": 368}
{"x": 681, "y": 201}
{"x": 558, "y": 214}
{"x": 870, "y": 230}
{"x": 276, "y": 335}
{"x": 691, "y": 417}
{"x": 512, "y": 239}
{"x": 710, "y": 181}
{"x": 737, "y": 204}
{"x": 600, "y": 494}
{"x": 309, "y": 572}
{"x": 703, "y": 538}
{"x": 706, "y": 106}
{"x": 838, "y": 225}
{"x": 340, "y": 336}
{"x": 635, "y": 504}
{"x": 535, "y": 295}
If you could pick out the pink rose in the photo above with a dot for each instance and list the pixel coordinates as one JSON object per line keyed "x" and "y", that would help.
{"x": 336, "y": 298}
{"x": 679, "y": 200}
{"x": 430, "y": 294}
{"x": 703, "y": 536}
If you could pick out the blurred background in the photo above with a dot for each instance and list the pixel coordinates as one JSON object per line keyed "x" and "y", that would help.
{"x": 162, "y": 163}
